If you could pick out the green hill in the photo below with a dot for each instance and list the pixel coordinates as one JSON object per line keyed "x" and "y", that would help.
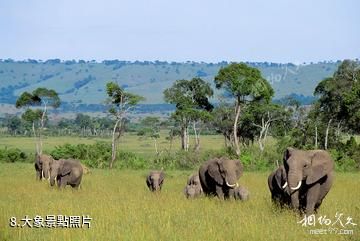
{"x": 83, "y": 82}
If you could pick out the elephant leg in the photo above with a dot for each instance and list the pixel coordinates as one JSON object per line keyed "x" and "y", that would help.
{"x": 231, "y": 193}
{"x": 38, "y": 175}
{"x": 220, "y": 192}
{"x": 312, "y": 197}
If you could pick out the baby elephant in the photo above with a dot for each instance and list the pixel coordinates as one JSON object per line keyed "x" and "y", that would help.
{"x": 155, "y": 180}
{"x": 193, "y": 187}
{"x": 241, "y": 193}
{"x": 277, "y": 186}
{"x": 66, "y": 172}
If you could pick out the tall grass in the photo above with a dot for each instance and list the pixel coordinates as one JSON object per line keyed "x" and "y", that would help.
{"x": 122, "y": 208}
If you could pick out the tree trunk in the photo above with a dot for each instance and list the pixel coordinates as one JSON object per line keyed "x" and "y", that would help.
{"x": 113, "y": 145}
{"x": 156, "y": 149}
{"x": 316, "y": 137}
{"x": 36, "y": 141}
{"x": 237, "y": 115}
{"x": 327, "y": 135}
{"x": 197, "y": 137}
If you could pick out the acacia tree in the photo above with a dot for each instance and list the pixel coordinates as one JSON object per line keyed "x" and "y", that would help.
{"x": 191, "y": 98}
{"x": 245, "y": 84}
{"x": 42, "y": 98}
{"x": 122, "y": 103}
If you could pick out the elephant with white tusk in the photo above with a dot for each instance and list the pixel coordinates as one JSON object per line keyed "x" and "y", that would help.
{"x": 42, "y": 166}
{"x": 66, "y": 172}
{"x": 310, "y": 176}
{"x": 218, "y": 177}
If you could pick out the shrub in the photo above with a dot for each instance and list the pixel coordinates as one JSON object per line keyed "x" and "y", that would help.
{"x": 13, "y": 155}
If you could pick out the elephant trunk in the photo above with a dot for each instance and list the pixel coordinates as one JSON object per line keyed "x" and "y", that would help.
{"x": 52, "y": 181}
{"x": 294, "y": 183}
{"x": 46, "y": 172}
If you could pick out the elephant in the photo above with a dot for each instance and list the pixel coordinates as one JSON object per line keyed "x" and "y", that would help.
{"x": 241, "y": 193}
{"x": 218, "y": 177}
{"x": 310, "y": 175}
{"x": 193, "y": 187}
{"x": 277, "y": 186}
{"x": 155, "y": 180}
{"x": 42, "y": 165}
{"x": 66, "y": 172}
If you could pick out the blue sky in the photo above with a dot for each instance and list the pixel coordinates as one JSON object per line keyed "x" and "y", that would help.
{"x": 197, "y": 30}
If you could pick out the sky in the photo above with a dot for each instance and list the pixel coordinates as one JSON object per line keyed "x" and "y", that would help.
{"x": 184, "y": 30}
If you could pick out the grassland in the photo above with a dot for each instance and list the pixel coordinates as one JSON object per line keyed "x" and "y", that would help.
{"x": 122, "y": 208}
{"x": 130, "y": 142}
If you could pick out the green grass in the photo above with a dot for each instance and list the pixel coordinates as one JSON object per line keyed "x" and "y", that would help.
{"x": 122, "y": 208}
{"x": 129, "y": 142}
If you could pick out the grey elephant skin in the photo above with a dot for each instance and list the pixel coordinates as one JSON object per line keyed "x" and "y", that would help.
{"x": 218, "y": 177}
{"x": 193, "y": 187}
{"x": 155, "y": 180}
{"x": 42, "y": 166}
{"x": 277, "y": 182}
{"x": 310, "y": 175}
{"x": 66, "y": 172}
{"x": 241, "y": 193}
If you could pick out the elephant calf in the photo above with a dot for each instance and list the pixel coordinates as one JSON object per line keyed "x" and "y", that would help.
{"x": 66, "y": 172}
{"x": 155, "y": 180}
{"x": 241, "y": 193}
{"x": 277, "y": 186}
{"x": 193, "y": 187}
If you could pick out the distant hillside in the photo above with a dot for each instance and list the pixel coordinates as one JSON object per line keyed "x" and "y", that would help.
{"x": 83, "y": 82}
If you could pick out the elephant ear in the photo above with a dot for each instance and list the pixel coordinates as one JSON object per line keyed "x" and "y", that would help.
{"x": 66, "y": 168}
{"x": 214, "y": 172}
{"x": 321, "y": 165}
{"x": 148, "y": 182}
{"x": 288, "y": 153}
{"x": 239, "y": 169}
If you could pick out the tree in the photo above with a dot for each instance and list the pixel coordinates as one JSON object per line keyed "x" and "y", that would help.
{"x": 41, "y": 97}
{"x": 151, "y": 128}
{"x": 245, "y": 84}
{"x": 261, "y": 115}
{"x": 339, "y": 99}
{"x": 191, "y": 98}
{"x": 122, "y": 103}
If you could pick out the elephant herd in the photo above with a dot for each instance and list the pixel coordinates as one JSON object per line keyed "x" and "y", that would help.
{"x": 301, "y": 183}
{"x": 63, "y": 171}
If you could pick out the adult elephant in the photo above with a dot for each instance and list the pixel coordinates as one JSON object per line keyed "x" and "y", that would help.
{"x": 310, "y": 175}
{"x": 42, "y": 166}
{"x": 155, "y": 180}
{"x": 66, "y": 172}
{"x": 277, "y": 182}
{"x": 219, "y": 177}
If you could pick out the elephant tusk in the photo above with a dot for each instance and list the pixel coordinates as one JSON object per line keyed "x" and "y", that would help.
{"x": 230, "y": 185}
{"x": 237, "y": 184}
{"x": 297, "y": 187}
{"x": 42, "y": 174}
{"x": 285, "y": 185}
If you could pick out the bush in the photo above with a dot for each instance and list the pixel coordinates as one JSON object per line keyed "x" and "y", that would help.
{"x": 13, "y": 155}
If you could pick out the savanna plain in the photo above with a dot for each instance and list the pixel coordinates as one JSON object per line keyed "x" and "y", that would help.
{"x": 122, "y": 208}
